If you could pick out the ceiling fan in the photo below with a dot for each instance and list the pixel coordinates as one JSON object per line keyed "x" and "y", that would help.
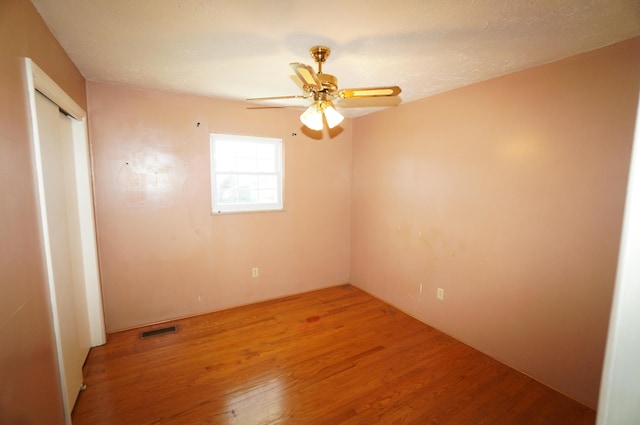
{"x": 323, "y": 88}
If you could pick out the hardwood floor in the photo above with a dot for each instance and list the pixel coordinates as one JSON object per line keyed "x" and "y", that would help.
{"x": 334, "y": 356}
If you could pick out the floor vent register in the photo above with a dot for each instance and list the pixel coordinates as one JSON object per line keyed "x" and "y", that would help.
{"x": 159, "y": 331}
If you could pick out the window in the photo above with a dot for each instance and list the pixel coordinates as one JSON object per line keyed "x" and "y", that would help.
{"x": 246, "y": 173}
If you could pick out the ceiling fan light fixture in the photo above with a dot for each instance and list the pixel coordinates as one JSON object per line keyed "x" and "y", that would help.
{"x": 312, "y": 117}
{"x": 333, "y": 117}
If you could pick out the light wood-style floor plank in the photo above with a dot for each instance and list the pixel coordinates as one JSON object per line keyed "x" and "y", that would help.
{"x": 333, "y": 356}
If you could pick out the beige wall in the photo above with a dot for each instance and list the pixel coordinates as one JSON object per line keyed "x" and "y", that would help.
{"x": 29, "y": 387}
{"x": 163, "y": 254}
{"x": 508, "y": 195}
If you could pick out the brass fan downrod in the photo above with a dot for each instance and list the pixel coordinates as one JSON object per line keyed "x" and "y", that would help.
{"x": 320, "y": 55}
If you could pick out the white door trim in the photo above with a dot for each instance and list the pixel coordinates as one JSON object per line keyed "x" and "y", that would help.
{"x": 38, "y": 80}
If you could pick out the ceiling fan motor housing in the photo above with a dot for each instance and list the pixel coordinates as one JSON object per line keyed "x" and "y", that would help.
{"x": 329, "y": 82}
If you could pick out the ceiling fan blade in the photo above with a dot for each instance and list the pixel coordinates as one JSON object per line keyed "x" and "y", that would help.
{"x": 369, "y": 92}
{"x": 368, "y": 102}
{"x": 307, "y": 75}
{"x": 279, "y": 97}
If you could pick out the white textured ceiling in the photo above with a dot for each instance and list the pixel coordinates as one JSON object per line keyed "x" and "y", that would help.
{"x": 238, "y": 49}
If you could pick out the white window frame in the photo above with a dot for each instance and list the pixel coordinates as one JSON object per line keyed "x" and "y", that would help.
{"x": 220, "y": 208}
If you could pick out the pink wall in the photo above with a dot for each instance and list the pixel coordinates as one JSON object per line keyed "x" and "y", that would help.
{"x": 29, "y": 386}
{"x": 508, "y": 195}
{"x": 163, "y": 254}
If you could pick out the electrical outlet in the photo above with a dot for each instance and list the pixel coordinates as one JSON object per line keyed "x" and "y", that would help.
{"x": 440, "y": 294}
{"x": 255, "y": 272}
